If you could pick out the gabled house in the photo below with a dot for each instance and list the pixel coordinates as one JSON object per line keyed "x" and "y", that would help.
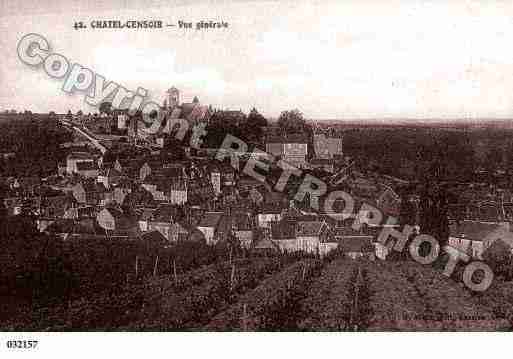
{"x": 209, "y": 224}
{"x": 242, "y": 228}
{"x": 119, "y": 194}
{"x": 327, "y": 147}
{"x": 215, "y": 179}
{"x": 145, "y": 217}
{"x": 73, "y": 159}
{"x": 80, "y": 212}
{"x": 295, "y": 149}
{"x": 13, "y": 205}
{"x": 283, "y": 235}
{"x": 355, "y": 247}
{"x": 70, "y": 228}
{"x": 30, "y": 185}
{"x": 178, "y": 190}
{"x": 325, "y": 164}
{"x": 118, "y": 224}
{"x": 87, "y": 169}
{"x": 310, "y": 235}
{"x": 267, "y": 215}
{"x": 164, "y": 219}
{"x": 154, "y": 238}
{"x": 109, "y": 177}
{"x": 56, "y": 206}
{"x": 474, "y": 238}
{"x": 89, "y": 192}
{"x": 199, "y": 191}
{"x": 389, "y": 201}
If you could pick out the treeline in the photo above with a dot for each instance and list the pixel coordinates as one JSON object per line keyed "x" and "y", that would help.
{"x": 35, "y": 140}
{"x": 413, "y": 152}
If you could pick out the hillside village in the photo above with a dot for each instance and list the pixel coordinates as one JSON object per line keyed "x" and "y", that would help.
{"x": 164, "y": 207}
{"x": 148, "y": 186}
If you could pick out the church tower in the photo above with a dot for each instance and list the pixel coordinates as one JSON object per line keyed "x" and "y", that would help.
{"x": 173, "y": 97}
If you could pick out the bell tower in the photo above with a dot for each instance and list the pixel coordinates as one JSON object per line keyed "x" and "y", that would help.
{"x": 173, "y": 97}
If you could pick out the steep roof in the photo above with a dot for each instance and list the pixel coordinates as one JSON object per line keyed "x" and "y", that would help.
{"x": 166, "y": 213}
{"x": 92, "y": 186}
{"x": 309, "y": 228}
{"x": 86, "y": 166}
{"x": 80, "y": 156}
{"x": 265, "y": 244}
{"x": 358, "y": 245}
{"x": 473, "y": 230}
{"x": 154, "y": 237}
{"x": 285, "y": 229}
{"x": 241, "y": 221}
{"x": 210, "y": 219}
{"x": 296, "y": 138}
{"x": 198, "y": 113}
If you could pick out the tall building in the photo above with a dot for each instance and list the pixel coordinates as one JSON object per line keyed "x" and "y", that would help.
{"x": 327, "y": 147}
{"x": 173, "y": 97}
{"x": 293, "y": 148}
{"x": 132, "y": 128}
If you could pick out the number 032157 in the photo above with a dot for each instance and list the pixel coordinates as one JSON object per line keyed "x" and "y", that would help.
{"x": 22, "y": 344}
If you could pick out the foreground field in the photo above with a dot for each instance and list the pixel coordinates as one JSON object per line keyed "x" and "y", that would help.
{"x": 288, "y": 294}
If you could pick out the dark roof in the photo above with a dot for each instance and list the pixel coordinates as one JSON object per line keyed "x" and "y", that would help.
{"x": 210, "y": 219}
{"x": 265, "y": 244}
{"x": 296, "y": 138}
{"x": 77, "y": 227}
{"x": 472, "y": 230}
{"x": 269, "y": 208}
{"x": 93, "y": 186}
{"x": 241, "y": 221}
{"x": 291, "y": 212}
{"x": 284, "y": 229}
{"x": 187, "y": 109}
{"x": 198, "y": 113}
{"x": 348, "y": 231}
{"x": 80, "y": 155}
{"x": 309, "y": 228}
{"x": 275, "y": 139}
{"x": 166, "y": 213}
{"x": 291, "y": 138}
{"x": 322, "y": 161}
{"x": 146, "y": 214}
{"x": 86, "y": 166}
{"x": 154, "y": 237}
{"x": 356, "y": 244}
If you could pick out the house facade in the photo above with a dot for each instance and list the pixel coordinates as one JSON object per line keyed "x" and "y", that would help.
{"x": 474, "y": 238}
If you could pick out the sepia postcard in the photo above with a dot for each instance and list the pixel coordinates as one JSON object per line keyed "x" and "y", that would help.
{"x": 255, "y": 166}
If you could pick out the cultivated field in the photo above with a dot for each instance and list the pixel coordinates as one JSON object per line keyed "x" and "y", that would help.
{"x": 289, "y": 294}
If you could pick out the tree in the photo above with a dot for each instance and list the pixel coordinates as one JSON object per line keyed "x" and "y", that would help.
{"x": 137, "y": 197}
{"x": 407, "y": 212}
{"x": 69, "y": 115}
{"x": 434, "y": 212}
{"x": 153, "y": 114}
{"x": 498, "y": 256}
{"x": 292, "y": 121}
{"x": 252, "y": 127}
{"x": 80, "y": 113}
{"x": 105, "y": 107}
{"x": 256, "y": 119}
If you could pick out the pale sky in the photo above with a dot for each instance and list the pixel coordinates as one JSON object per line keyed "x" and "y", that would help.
{"x": 331, "y": 59}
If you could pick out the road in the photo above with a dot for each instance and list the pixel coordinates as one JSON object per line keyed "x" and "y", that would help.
{"x": 96, "y": 143}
